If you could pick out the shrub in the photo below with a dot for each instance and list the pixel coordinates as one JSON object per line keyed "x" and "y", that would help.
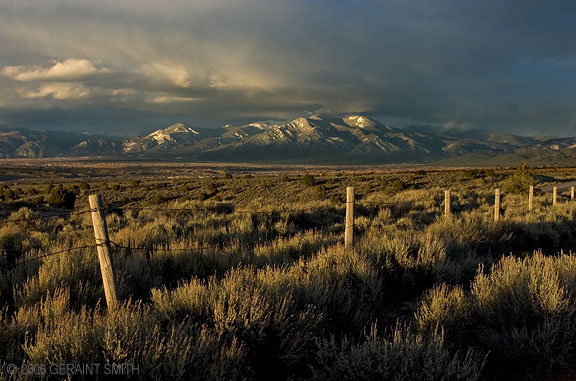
{"x": 8, "y": 194}
{"x": 158, "y": 199}
{"x": 520, "y": 181}
{"x": 211, "y": 188}
{"x": 241, "y": 307}
{"x": 523, "y": 311}
{"x": 130, "y": 335}
{"x": 308, "y": 180}
{"x": 398, "y": 185}
{"x": 449, "y": 307}
{"x": 405, "y": 356}
{"x": 320, "y": 192}
{"x": 61, "y": 197}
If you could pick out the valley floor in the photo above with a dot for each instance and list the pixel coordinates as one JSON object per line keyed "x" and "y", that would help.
{"x": 239, "y": 272}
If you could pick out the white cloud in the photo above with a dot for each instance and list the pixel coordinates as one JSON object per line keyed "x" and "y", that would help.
{"x": 175, "y": 74}
{"x": 168, "y": 99}
{"x": 66, "y": 70}
{"x": 122, "y": 92}
{"x": 61, "y": 91}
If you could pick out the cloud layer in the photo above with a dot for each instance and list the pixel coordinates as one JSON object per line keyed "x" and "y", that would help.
{"x": 61, "y": 91}
{"x": 67, "y": 70}
{"x": 501, "y": 65}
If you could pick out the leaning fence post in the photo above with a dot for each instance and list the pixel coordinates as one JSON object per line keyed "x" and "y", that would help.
{"x": 103, "y": 248}
{"x": 555, "y": 196}
{"x": 496, "y": 205}
{"x": 447, "y": 209}
{"x": 349, "y": 227}
{"x": 531, "y": 198}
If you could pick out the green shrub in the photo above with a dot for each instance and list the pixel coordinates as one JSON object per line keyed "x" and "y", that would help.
{"x": 8, "y": 194}
{"x": 61, "y": 197}
{"x": 158, "y": 199}
{"x": 320, "y": 192}
{"x": 398, "y": 185}
{"x": 520, "y": 181}
{"x": 211, "y": 188}
{"x": 308, "y": 180}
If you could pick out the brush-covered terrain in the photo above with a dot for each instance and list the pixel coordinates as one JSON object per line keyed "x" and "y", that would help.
{"x": 237, "y": 276}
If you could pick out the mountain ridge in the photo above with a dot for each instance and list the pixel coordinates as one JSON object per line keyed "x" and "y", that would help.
{"x": 316, "y": 139}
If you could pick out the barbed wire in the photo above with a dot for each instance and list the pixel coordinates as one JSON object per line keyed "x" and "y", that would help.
{"x": 205, "y": 209}
{"x": 166, "y": 248}
{"x": 279, "y": 211}
{"x": 213, "y": 208}
{"x": 28, "y": 260}
{"x": 44, "y": 216}
{"x": 230, "y": 244}
{"x": 221, "y": 246}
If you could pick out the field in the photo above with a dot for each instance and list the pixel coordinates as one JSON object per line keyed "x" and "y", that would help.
{"x": 234, "y": 272}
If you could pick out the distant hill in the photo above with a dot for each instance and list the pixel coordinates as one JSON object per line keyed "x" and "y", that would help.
{"x": 23, "y": 143}
{"x": 352, "y": 139}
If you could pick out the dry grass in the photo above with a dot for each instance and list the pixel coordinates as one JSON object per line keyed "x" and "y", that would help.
{"x": 275, "y": 294}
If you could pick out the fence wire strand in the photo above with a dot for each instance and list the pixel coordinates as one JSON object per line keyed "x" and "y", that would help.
{"x": 28, "y": 260}
{"x": 44, "y": 216}
{"x": 222, "y": 246}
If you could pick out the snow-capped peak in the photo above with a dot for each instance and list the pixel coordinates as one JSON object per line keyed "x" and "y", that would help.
{"x": 179, "y": 128}
{"x": 166, "y": 134}
{"x": 359, "y": 121}
{"x": 261, "y": 126}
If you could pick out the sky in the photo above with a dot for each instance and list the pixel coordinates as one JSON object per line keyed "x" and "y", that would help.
{"x": 127, "y": 67}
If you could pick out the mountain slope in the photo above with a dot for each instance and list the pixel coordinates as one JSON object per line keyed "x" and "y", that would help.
{"x": 351, "y": 139}
{"x": 23, "y": 143}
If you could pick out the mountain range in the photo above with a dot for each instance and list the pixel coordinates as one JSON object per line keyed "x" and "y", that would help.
{"x": 316, "y": 139}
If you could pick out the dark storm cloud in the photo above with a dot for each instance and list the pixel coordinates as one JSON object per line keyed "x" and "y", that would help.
{"x": 507, "y": 65}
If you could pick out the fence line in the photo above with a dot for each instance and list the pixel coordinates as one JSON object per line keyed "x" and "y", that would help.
{"x": 229, "y": 244}
{"x": 348, "y": 225}
{"x": 274, "y": 212}
{"x": 204, "y": 209}
{"x": 28, "y": 260}
{"x": 45, "y": 216}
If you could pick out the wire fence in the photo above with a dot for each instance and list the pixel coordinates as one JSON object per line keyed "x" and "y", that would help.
{"x": 44, "y": 217}
{"x": 28, "y": 260}
{"x": 167, "y": 248}
{"x": 232, "y": 243}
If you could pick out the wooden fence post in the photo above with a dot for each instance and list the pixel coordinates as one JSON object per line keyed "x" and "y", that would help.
{"x": 555, "y": 196}
{"x": 572, "y": 193}
{"x": 103, "y": 248}
{"x": 447, "y": 208}
{"x": 531, "y": 198}
{"x": 496, "y": 205}
{"x": 349, "y": 227}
